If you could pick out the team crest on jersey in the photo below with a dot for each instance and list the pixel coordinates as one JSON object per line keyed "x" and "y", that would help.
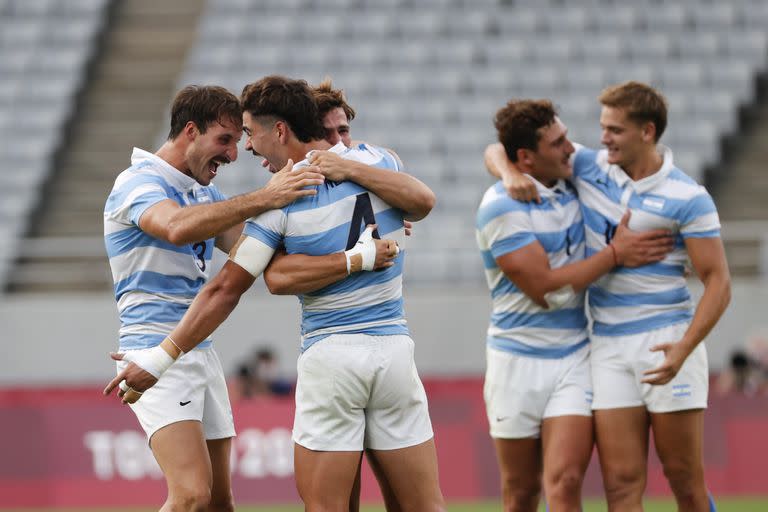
{"x": 653, "y": 203}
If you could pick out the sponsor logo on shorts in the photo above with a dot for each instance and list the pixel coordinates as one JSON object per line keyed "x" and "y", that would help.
{"x": 185, "y": 403}
{"x": 502, "y": 418}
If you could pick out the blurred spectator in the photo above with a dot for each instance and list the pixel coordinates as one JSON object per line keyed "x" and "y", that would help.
{"x": 742, "y": 376}
{"x": 260, "y": 375}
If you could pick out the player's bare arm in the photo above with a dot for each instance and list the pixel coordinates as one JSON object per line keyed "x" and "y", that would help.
{"x": 179, "y": 225}
{"x": 517, "y": 184}
{"x": 227, "y": 239}
{"x": 398, "y": 189}
{"x": 708, "y": 260}
{"x": 528, "y": 267}
{"x": 248, "y": 260}
{"x": 294, "y": 274}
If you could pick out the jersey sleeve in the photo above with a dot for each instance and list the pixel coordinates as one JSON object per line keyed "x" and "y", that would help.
{"x": 269, "y": 228}
{"x": 145, "y": 191}
{"x": 580, "y": 159}
{"x": 699, "y": 218}
{"x": 505, "y": 226}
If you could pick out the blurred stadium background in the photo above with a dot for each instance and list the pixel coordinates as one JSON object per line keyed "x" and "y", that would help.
{"x": 83, "y": 81}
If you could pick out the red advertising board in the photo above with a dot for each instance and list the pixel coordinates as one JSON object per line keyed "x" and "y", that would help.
{"x": 72, "y": 447}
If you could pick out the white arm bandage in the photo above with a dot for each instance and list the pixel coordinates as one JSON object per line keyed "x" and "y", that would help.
{"x": 558, "y": 298}
{"x": 366, "y": 248}
{"x": 253, "y": 255}
{"x": 154, "y": 360}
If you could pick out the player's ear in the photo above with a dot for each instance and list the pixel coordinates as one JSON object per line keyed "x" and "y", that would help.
{"x": 525, "y": 156}
{"x": 283, "y": 131}
{"x": 648, "y": 131}
{"x": 190, "y": 130}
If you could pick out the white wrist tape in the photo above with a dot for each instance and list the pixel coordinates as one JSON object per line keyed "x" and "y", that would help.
{"x": 154, "y": 360}
{"x": 366, "y": 248}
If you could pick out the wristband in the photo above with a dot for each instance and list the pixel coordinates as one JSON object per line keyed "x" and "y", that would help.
{"x": 365, "y": 248}
{"x": 154, "y": 360}
{"x": 615, "y": 256}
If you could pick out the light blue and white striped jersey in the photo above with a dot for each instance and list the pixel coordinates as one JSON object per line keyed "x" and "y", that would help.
{"x": 635, "y": 300}
{"x": 504, "y": 225}
{"x": 155, "y": 281}
{"x": 329, "y": 222}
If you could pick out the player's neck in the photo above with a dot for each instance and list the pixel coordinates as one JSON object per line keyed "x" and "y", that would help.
{"x": 174, "y": 156}
{"x": 300, "y": 151}
{"x": 647, "y": 164}
{"x": 543, "y": 179}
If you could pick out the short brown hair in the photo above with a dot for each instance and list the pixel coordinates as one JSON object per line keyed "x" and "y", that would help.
{"x": 288, "y": 100}
{"x": 329, "y": 98}
{"x": 203, "y": 105}
{"x": 641, "y": 102}
{"x": 518, "y": 124}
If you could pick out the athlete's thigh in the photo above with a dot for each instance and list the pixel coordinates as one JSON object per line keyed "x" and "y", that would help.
{"x": 679, "y": 438}
{"x": 182, "y": 453}
{"x": 325, "y": 479}
{"x": 622, "y": 443}
{"x": 219, "y": 451}
{"x": 519, "y": 462}
{"x": 390, "y": 500}
{"x": 354, "y": 495}
{"x": 412, "y": 475}
{"x": 567, "y": 443}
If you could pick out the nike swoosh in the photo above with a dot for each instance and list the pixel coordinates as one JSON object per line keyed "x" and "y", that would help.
{"x": 502, "y": 418}
{"x": 184, "y": 403}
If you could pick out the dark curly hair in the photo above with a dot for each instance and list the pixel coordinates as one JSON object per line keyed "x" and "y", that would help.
{"x": 281, "y": 98}
{"x": 518, "y": 124}
{"x": 203, "y": 105}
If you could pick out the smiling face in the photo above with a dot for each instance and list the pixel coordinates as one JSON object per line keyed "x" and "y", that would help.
{"x": 262, "y": 139}
{"x": 336, "y": 127}
{"x": 626, "y": 140}
{"x": 209, "y": 150}
{"x": 552, "y": 159}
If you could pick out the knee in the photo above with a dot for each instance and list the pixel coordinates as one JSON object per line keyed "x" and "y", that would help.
{"x": 565, "y": 484}
{"x": 622, "y": 483}
{"x": 190, "y": 499}
{"x": 683, "y": 478}
{"x": 520, "y": 494}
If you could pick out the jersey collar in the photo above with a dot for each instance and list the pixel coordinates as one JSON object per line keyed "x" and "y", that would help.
{"x": 339, "y": 148}
{"x": 560, "y": 187}
{"x": 649, "y": 182}
{"x": 172, "y": 175}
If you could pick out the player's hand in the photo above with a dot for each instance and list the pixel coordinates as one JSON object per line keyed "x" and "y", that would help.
{"x": 289, "y": 184}
{"x": 330, "y": 165}
{"x": 132, "y": 381}
{"x": 408, "y": 227}
{"x": 637, "y": 248}
{"x": 674, "y": 357}
{"x": 386, "y": 252}
{"x": 519, "y": 187}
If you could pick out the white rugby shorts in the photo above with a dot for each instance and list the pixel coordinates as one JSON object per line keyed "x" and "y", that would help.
{"x": 618, "y": 363}
{"x": 357, "y": 391}
{"x": 193, "y": 388}
{"x": 521, "y": 391}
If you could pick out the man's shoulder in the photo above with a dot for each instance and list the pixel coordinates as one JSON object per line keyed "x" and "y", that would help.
{"x": 139, "y": 173}
{"x": 497, "y": 202}
{"x": 371, "y": 155}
